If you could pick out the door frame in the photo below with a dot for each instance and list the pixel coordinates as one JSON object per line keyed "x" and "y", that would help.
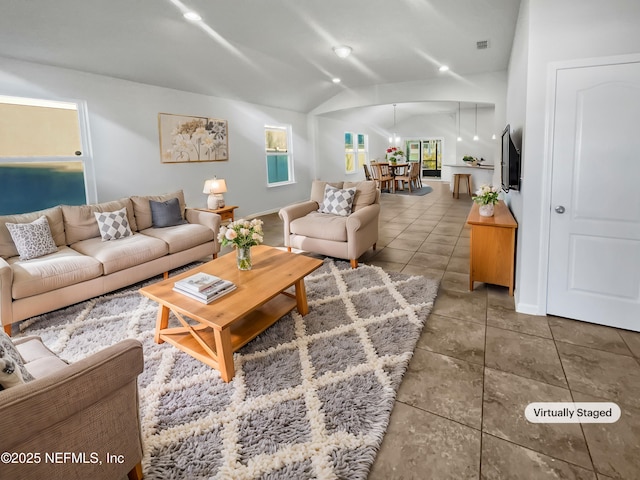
{"x": 547, "y": 164}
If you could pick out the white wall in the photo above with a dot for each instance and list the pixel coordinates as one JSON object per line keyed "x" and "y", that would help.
{"x": 124, "y": 136}
{"x": 551, "y": 31}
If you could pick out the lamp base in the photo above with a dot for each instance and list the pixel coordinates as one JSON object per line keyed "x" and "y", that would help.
{"x": 215, "y": 201}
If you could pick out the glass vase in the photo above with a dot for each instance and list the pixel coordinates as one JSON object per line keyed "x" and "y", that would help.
{"x": 243, "y": 258}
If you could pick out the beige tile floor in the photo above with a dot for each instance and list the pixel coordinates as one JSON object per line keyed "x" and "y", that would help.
{"x": 460, "y": 409}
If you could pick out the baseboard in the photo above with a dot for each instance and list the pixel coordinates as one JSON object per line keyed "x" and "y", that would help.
{"x": 529, "y": 309}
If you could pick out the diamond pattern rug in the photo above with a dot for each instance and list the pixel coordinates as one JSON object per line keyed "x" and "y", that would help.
{"x": 311, "y": 397}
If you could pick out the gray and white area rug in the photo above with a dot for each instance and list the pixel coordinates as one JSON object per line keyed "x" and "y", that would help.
{"x": 312, "y": 395}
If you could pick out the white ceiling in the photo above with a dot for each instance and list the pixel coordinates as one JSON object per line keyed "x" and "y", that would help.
{"x": 276, "y": 52}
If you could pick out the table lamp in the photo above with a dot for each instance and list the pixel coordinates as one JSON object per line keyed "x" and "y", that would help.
{"x": 215, "y": 187}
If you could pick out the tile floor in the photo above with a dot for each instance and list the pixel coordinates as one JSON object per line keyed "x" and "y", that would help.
{"x": 478, "y": 363}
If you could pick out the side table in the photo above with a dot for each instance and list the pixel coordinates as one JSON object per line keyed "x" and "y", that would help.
{"x": 225, "y": 212}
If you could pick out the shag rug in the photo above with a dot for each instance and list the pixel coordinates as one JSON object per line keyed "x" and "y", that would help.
{"x": 311, "y": 397}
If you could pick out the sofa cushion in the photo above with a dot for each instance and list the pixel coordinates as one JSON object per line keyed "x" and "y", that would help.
{"x": 142, "y": 209}
{"x": 125, "y": 253}
{"x": 113, "y": 225}
{"x": 317, "y": 190}
{"x": 366, "y": 194}
{"x": 166, "y": 214}
{"x": 38, "y": 359}
{"x": 80, "y": 221}
{"x": 181, "y": 237}
{"x": 56, "y": 270}
{"x": 33, "y": 239}
{"x": 12, "y": 369}
{"x": 54, "y": 216}
{"x": 337, "y": 201}
{"x": 321, "y": 225}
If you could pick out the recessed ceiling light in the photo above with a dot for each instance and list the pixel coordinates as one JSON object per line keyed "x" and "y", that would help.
{"x": 336, "y": 80}
{"x": 192, "y": 16}
{"x": 443, "y": 68}
{"x": 343, "y": 51}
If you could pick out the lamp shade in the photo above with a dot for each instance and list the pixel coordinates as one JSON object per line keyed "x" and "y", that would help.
{"x": 215, "y": 185}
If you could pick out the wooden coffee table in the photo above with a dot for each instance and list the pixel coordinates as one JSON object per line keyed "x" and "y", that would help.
{"x": 230, "y": 322}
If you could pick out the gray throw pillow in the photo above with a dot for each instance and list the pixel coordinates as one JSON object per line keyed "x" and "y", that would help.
{"x": 12, "y": 369}
{"x": 166, "y": 214}
{"x": 113, "y": 225}
{"x": 32, "y": 240}
{"x": 337, "y": 201}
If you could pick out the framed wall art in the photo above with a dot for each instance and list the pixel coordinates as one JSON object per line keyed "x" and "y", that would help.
{"x": 192, "y": 139}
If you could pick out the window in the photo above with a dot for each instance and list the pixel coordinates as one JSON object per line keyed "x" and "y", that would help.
{"x": 279, "y": 157}
{"x": 356, "y": 151}
{"x": 42, "y": 159}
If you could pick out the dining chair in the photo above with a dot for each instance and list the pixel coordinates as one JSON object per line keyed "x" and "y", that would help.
{"x": 367, "y": 173}
{"x": 382, "y": 175}
{"x": 414, "y": 175}
{"x": 402, "y": 177}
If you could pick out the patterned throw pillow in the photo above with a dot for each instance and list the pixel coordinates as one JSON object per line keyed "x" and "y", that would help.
{"x": 12, "y": 369}
{"x": 33, "y": 239}
{"x": 113, "y": 225}
{"x": 337, "y": 201}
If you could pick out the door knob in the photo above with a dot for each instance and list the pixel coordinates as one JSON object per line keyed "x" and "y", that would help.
{"x": 559, "y": 209}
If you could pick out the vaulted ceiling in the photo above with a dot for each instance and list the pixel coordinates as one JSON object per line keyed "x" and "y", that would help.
{"x": 269, "y": 52}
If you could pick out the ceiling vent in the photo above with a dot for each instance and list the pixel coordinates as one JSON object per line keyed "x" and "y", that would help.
{"x": 482, "y": 44}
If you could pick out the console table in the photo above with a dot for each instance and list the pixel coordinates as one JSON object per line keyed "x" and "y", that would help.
{"x": 493, "y": 247}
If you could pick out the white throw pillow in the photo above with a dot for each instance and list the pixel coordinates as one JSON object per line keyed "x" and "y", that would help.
{"x": 113, "y": 225}
{"x": 33, "y": 239}
{"x": 337, "y": 201}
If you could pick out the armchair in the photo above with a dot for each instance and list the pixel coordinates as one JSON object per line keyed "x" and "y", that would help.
{"x": 88, "y": 409}
{"x": 346, "y": 237}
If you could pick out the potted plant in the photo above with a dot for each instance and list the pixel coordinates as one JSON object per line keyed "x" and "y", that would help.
{"x": 242, "y": 234}
{"x": 395, "y": 155}
{"x": 486, "y": 197}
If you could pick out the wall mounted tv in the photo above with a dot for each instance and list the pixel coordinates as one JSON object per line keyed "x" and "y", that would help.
{"x": 510, "y": 162}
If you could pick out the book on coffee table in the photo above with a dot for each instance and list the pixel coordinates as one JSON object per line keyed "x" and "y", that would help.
{"x": 198, "y": 282}
{"x": 209, "y": 294}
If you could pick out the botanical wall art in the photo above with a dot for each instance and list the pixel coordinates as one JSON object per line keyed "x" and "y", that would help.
{"x": 192, "y": 139}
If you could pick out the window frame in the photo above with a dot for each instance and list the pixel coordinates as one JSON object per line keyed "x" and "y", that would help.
{"x": 86, "y": 152}
{"x": 289, "y": 153}
{"x": 355, "y": 151}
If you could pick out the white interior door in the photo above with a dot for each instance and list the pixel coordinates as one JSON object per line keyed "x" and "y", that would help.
{"x": 594, "y": 249}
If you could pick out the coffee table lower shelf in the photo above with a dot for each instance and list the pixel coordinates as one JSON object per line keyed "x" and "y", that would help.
{"x": 222, "y": 343}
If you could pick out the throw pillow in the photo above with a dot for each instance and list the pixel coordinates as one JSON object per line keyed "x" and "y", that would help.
{"x": 166, "y": 214}
{"x": 33, "y": 239}
{"x": 113, "y": 225}
{"x": 337, "y": 201}
{"x": 12, "y": 369}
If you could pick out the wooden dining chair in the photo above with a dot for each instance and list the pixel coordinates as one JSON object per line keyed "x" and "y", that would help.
{"x": 402, "y": 177}
{"x": 382, "y": 175}
{"x": 414, "y": 175}
{"x": 367, "y": 173}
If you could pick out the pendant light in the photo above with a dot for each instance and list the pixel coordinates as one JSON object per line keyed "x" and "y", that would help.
{"x": 394, "y": 139}
{"x": 475, "y": 137}
{"x": 459, "y": 137}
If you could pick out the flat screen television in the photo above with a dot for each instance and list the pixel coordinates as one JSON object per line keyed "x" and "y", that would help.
{"x": 510, "y": 162}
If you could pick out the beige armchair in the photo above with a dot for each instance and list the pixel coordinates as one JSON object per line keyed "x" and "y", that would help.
{"x": 74, "y": 421}
{"x": 346, "y": 237}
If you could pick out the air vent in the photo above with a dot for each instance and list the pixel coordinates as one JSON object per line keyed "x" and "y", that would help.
{"x": 482, "y": 44}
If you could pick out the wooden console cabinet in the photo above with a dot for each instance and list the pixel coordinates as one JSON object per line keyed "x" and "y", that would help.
{"x": 493, "y": 247}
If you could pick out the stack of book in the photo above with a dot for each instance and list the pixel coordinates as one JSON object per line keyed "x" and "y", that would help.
{"x": 203, "y": 287}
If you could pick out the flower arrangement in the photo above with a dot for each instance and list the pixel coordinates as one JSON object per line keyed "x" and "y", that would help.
{"x": 241, "y": 233}
{"x": 486, "y": 195}
{"x": 394, "y": 155}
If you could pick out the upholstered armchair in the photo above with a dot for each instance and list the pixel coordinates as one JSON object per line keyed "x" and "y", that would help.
{"x": 345, "y": 236}
{"x": 73, "y": 421}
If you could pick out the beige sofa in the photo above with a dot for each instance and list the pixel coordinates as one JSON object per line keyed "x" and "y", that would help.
{"x": 346, "y": 237}
{"x": 89, "y": 407}
{"x": 85, "y": 266}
